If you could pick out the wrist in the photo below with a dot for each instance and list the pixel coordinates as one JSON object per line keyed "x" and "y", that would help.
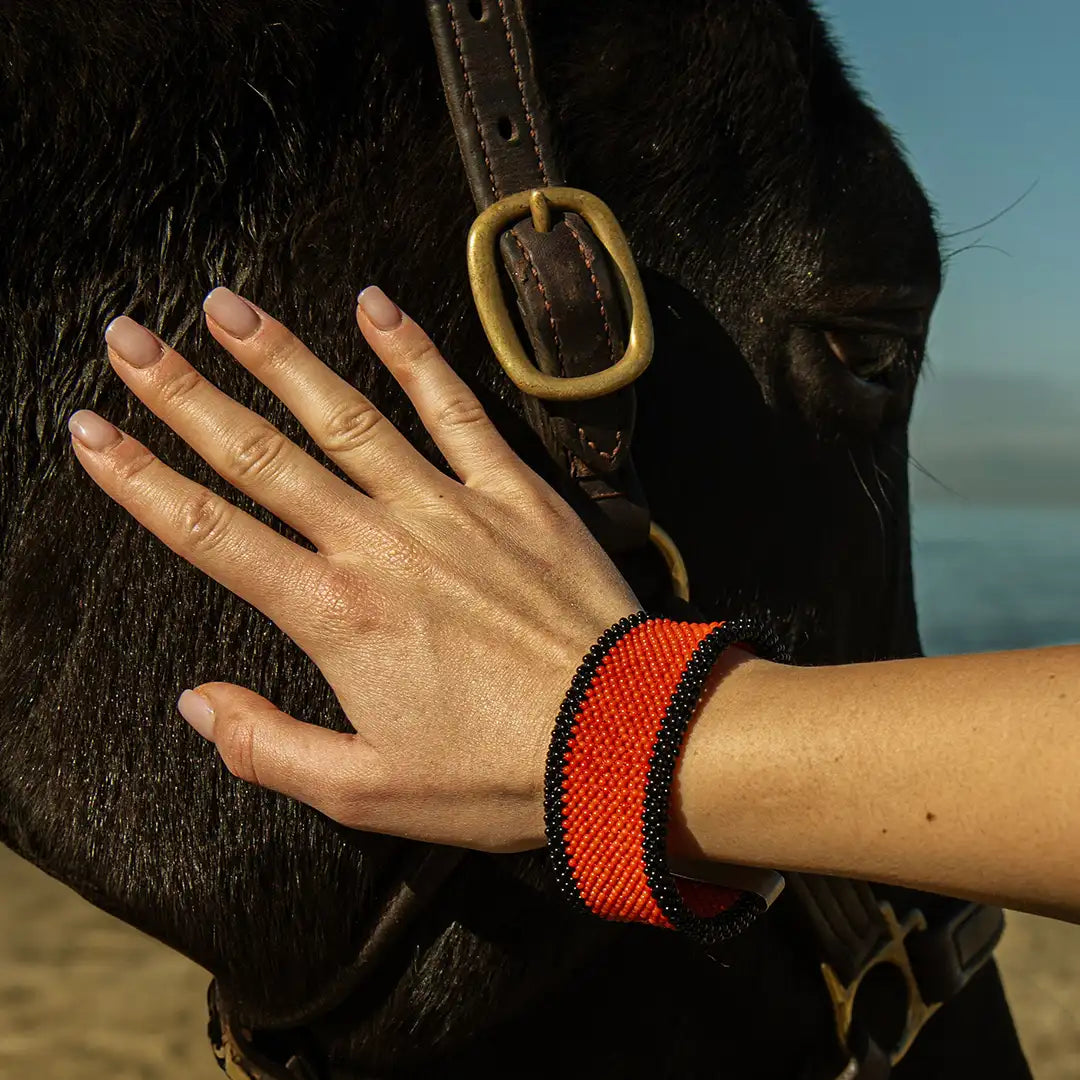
{"x": 610, "y": 770}
{"x": 549, "y": 682}
{"x": 711, "y": 795}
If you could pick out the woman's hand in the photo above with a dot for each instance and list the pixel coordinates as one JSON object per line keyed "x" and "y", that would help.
{"x": 447, "y": 617}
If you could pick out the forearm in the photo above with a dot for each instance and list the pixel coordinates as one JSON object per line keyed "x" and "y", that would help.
{"x": 955, "y": 774}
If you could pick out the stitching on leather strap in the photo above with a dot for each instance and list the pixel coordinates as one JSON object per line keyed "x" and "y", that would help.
{"x": 596, "y": 286}
{"x": 547, "y": 303}
{"x": 543, "y": 173}
{"x": 521, "y": 90}
{"x": 472, "y": 105}
{"x": 605, "y": 454}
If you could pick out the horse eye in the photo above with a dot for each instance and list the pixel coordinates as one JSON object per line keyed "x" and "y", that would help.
{"x": 866, "y": 356}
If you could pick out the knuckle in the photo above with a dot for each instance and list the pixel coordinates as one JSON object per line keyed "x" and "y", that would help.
{"x": 540, "y": 512}
{"x": 177, "y": 387}
{"x": 551, "y": 510}
{"x": 469, "y": 514}
{"x": 131, "y": 467}
{"x": 419, "y": 361}
{"x": 460, "y": 410}
{"x": 350, "y": 425}
{"x": 277, "y": 349}
{"x": 204, "y": 521}
{"x": 427, "y": 354}
{"x": 336, "y": 598}
{"x": 260, "y": 449}
{"x": 236, "y": 745}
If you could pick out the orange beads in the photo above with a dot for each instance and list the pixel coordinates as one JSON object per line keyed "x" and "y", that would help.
{"x": 610, "y": 768}
{"x": 606, "y": 767}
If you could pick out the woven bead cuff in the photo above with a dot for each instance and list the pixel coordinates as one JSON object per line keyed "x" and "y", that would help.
{"x": 610, "y": 769}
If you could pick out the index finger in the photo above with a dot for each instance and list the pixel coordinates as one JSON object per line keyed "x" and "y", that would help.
{"x": 450, "y": 411}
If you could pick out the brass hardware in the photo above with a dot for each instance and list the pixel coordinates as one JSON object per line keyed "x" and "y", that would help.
{"x": 231, "y": 1060}
{"x": 487, "y": 293}
{"x": 892, "y": 952}
{"x": 540, "y": 209}
{"x": 680, "y": 578}
{"x": 231, "y": 1055}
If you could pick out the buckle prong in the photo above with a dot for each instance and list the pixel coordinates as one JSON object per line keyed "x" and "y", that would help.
{"x": 540, "y": 209}
{"x": 680, "y": 578}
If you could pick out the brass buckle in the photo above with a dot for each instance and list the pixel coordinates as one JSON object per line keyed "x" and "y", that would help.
{"x": 892, "y": 952}
{"x": 495, "y": 316}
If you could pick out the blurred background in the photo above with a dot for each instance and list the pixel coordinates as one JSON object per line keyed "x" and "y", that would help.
{"x": 985, "y": 95}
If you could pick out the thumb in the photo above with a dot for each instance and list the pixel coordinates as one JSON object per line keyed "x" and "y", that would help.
{"x": 265, "y": 746}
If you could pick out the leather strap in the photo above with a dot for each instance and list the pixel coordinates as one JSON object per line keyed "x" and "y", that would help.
{"x": 959, "y": 939}
{"x": 845, "y": 920}
{"x": 848, "y": 924}
{"x": 239, "y": 1059}
{"x": 566, "y": 292}
{"x": 289, "y": 1051}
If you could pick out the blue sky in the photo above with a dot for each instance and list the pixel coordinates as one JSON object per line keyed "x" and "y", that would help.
{"x": 985, "y": 96}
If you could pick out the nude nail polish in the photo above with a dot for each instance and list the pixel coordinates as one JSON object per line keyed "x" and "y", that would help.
{"x": 379, "y": 308}
{"x": 196, "y": 710}
{"x": 131, "y": 341}
{"x": 231, "y": 313}
{"x": 93, "y": 431}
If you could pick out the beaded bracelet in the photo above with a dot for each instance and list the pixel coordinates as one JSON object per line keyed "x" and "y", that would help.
{"x": 610, "y": 768}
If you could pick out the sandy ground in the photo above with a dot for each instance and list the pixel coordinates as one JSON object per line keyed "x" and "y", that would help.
{"x": 84, "y": 997}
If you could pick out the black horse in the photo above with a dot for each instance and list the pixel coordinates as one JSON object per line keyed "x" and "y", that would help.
{"x": 297, "y": 150}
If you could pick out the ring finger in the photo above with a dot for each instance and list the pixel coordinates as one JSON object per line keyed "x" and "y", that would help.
{"x": 296, "y": 588}
{"x": 239, "y": 444}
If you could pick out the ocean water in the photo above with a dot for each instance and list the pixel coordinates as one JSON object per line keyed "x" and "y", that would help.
{"x": 996, "y": 577}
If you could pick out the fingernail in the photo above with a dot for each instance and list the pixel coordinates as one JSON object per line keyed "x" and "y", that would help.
{"x": 196, "y": 710}
{"x": 93, "y": 431}
{"x": 379, "y": 308}
{"x": 231, "y": 313}
{"x": 132, "y": 342}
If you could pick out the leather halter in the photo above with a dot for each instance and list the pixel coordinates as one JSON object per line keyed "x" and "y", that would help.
{"x": 575, "y": 282}
{"x": 566, "y": 287}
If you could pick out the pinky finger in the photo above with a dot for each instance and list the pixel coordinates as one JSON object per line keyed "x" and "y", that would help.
{"x": 449, "y": 410}
{"x": 265, "y": 746}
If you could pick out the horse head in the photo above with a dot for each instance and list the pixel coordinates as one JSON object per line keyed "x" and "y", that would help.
{"x": 300, "y": 151}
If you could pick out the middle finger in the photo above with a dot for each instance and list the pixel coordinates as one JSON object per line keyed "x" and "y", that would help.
{"x": 239, "y": 444}
{"x": 344, "y": 424}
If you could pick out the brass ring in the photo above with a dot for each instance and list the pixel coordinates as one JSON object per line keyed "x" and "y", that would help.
{"x": 680, "y": 578}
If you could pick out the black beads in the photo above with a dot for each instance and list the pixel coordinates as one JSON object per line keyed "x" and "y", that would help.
{"x": 751, "y": 633}
{"x": 718, "y": 928}
{"x": 553, "y": 772}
